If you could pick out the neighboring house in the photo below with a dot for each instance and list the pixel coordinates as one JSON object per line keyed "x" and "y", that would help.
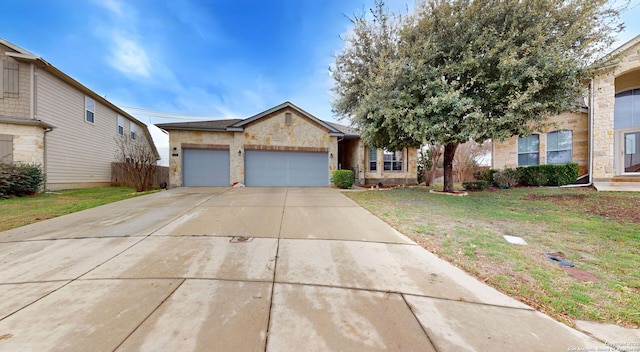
{"x": 604, "y": 139}
{"x": 282, "y": 146}
{"x": 48, "y": 118}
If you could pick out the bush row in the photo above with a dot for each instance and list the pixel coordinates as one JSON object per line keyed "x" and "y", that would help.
{"x": 20, "y": 179}
{"x": 535, "y": 175}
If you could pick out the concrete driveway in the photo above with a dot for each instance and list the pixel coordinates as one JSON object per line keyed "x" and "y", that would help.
{"x": 248, "y": 269}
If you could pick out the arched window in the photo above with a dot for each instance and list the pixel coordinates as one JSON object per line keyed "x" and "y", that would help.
{"x": 529, "y": 150}
{"x": 626, "y": 111}
{"x": 559, "y": 147}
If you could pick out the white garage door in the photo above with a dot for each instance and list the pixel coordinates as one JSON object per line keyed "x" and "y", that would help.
{"x": 205, "y": 167}
{"x": 277, "y": 168}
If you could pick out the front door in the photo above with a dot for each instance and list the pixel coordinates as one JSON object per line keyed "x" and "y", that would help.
{"x": 632, "y": 152}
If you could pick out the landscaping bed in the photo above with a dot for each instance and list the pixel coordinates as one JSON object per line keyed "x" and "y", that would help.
{"x": 599, "y": 232}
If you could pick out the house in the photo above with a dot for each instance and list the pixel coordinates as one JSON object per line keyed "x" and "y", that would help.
{"x": 282, "y": 146}
{"x": 48, "y": 118}
{"x": 603, "y": 138}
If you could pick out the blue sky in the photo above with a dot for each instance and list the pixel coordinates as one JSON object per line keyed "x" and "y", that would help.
{"x": 219, "y": 58}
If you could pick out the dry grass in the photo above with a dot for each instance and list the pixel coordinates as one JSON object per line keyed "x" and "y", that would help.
{"x": 599, "y": 232}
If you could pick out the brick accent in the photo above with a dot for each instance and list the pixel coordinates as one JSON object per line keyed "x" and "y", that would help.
{"x": 205, "y": 146}
{"x": 285, "y": 148}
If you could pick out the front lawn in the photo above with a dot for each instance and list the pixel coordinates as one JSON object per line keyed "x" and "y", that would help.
{"x": 598, "y": 231}
{"x": 16, "y": 212}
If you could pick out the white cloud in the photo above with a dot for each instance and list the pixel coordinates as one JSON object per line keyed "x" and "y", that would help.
{"x": 113, "y": 6}
{"x": 129, "y": 57}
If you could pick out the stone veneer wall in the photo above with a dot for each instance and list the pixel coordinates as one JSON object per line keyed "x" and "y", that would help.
{"x": 505, "y": 154}
{"x": 604, "y": 90}
{"x": 270, "y": 133}
{"x": 409, "y": 175}
{"x": 28, "y": 143}
{"x": 20, "y": 106}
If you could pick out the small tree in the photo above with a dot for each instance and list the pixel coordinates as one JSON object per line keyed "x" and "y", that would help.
{"x": 138, "y": 162}
{"x": 467, "y": 157}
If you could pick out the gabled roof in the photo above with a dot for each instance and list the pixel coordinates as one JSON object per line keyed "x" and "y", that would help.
{"x": 21, "y": 54}
{"x": 213, "y": 125}
{"x": 239, "y": 126}
{"x": 606, "y": 60}
{"x": 236, "y": 125}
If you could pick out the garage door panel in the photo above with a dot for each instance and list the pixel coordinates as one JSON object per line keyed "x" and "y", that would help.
{"x": 278, "y": 168}
{"x": 205, "y": 167}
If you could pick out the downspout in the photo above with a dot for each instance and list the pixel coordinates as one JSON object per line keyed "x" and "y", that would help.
{"x": 44, "y": 159}
{"x": 590, "y": 161}
{"x": 590, "y": 112}
{"x": 32, "y": 77}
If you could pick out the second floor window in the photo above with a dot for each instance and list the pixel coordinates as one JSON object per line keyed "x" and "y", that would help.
{"x": 120, "y": 125}
{"x": 90, "y": 110}
{"x": 133, "y": 131}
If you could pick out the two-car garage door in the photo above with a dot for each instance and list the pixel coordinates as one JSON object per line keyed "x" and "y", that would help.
{"x": 211, "y": 167}
{"x": 284, "y": 168}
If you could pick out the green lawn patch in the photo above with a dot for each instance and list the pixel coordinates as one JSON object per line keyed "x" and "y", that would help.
{"x": 598, "y": 231}
{"x": 16, "y": 212}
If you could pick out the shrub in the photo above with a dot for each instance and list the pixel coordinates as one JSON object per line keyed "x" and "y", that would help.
{"x": 343, "y": 178}
{"x": 20, "y": 179}
{"x": 475, "y": 185}
{"x": 548, "y": 175}
{"x": 506, "y": 178}
{"x": 485, "y": 175}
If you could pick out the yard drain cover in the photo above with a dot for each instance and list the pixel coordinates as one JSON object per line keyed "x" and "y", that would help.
{"x": 559, "y": 260}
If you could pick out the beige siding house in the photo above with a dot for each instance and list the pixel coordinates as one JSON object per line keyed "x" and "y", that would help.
{"x": 48, "y": 118}
{"x": 282, "y": 146}
{"x": 604, "y": 138}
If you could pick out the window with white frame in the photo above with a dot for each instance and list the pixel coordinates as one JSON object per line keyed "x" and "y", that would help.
{"x": 529, "y": 150}
{"x": 393, "y": 160}
{"x": 373, "y": 159}
{"x": 90, "y": 110}
{"x": 559, "y": 147}
{"x": 120, "y": 125}
{"x": 133, "y": 131}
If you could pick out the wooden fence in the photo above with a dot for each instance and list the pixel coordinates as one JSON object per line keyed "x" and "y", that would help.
{"x": 118, "y": 177}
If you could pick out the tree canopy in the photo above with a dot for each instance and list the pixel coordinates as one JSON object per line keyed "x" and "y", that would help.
{"x": 456, "y": 70}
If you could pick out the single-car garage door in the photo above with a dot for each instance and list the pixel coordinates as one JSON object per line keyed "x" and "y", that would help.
{"x": 278, "y": 168}
{"x": 205, "y": 167}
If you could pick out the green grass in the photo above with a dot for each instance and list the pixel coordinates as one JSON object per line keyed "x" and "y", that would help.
{"x": 16, "y": 212}
{"x": 597, "y": 231}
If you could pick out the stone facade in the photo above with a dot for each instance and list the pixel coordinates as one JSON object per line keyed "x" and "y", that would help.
{"x": 28, "y": 143}
{"x": 270, "y": 132}
{"x": 408, "y": 175}
{"x": 505, "y": 154}
{"x": 16, "y": 105}
{"x": 621, "y": 74}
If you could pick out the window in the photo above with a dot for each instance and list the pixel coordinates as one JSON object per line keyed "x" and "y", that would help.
{"x": 626, "y": 111}
{"x": 373, "y": 159}
{"x": 90, "y": 110}
{"x": 559, "y": 147}
{"x": 287, "y": 118}
{"x": 393, "y": 161}
{"x": 133, "y": 131}
{"x": 529, "y": 150}
{"x": 120, "y": 125}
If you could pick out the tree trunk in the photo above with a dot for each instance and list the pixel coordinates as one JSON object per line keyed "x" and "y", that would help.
{"x": 449, "y": 153}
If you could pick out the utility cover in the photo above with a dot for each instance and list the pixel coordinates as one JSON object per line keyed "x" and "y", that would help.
{"x": 515, "y": 240}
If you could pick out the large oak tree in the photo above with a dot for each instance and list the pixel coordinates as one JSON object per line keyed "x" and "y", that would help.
{"x": 456, "y": 70}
